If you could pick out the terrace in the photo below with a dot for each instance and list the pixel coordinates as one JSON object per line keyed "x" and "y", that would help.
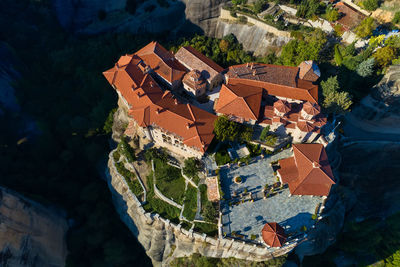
{"x": 245, "y": 218}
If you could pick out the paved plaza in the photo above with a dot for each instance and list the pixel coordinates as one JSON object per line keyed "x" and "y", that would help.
{"x": 249, "y": 217}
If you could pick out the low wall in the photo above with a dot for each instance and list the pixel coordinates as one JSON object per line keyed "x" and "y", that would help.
{"x": 225, "y": 14}
{"x": 163, "y": 239}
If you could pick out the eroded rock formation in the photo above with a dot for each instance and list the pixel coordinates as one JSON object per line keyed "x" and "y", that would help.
{"x": 30, "y": 234}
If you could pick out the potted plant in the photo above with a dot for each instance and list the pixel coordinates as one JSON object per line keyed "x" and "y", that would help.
{"x": 238, "y": 179}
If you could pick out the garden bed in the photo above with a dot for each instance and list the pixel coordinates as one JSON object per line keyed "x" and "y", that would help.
{"x": 190, "y": 203}
{"x": 170, "y": 181}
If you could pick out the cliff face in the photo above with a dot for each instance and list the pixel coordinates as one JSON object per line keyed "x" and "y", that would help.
{"x": 163, "y": 240}
{"x": 30, "y": 234}
{"x": 380, "y": 111}
{"x": 185, "y": 15}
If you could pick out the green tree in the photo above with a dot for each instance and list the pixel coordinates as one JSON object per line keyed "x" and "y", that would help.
{"x": 260, "y": 5}
{"x": 191, "y": 167}
{"x": 264, "y": 133}
{"x": 332, "y": 14}
{"x": 107, "y": 128}
{"x": 338, "y": 55}
{"x": 337, "y": 102}
{"x": 384, "y": 56}
{"x": 366, "y": 68}
{"x": 393, "y": 260}
{"x": 246, "y": 133}
{"x": 225, "y": 129}
{"x": 224, "y": 45}
{"x": 209, "y": 212}
{"x": 370, "y": 5}
{"x": 330, "y": 85}
{"x": 308, "y": 8}
{"x": 365, "y": 28}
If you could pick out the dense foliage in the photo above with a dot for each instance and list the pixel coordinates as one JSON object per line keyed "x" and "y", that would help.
{"x": 227, "y": 130}
{"x": 191, "y": 167}
{"x": 365, "y": 28}
{"x": 370, "y": 5}
{"x": 225, "y": 53}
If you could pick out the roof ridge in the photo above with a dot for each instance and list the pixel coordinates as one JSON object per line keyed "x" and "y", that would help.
{"x": 191, "y": 112}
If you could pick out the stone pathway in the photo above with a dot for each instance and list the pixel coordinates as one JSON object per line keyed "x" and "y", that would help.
{"x": 198, "y": 212}
{"x": 212, "y": 189}
{"x": 248, "y": 218}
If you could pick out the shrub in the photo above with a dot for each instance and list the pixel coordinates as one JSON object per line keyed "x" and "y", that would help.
{"x": 366, "y": 68}
{"x": 190, "y": 203}
{"x": 332, "y": 14}
{"x": 338, "y": 55}
{"x": 303, "y": 228}
{"x": 116, "y": 156}
{"x": 396, "y": 18}
{"x": 209, "y": 212}
{"x": 338, "y": 30}
{"x": 192, "y": 167}
{"x": 242, "y": 19}
{"x": 125, "y": 149}
{"x": 238, "y": 179}
{"x": 259, "y": 6}
{"x": 384, "y": 56}
{"x": 107, "y": 128}
{"x": 233, "y": 13}
{"x": 253, "y": 237}
{"x": 370, "y": 5}
{"x": 365, "y": 28}
{"x": 314, "y": 217}
{"x": 264, "y": 133}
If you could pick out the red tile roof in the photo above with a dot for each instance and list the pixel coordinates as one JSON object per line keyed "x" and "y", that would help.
{"x": 282, "y": 81}
{"x": 350, "y": 17}
{"x": 311, "y": 108}
{"x": 305, "y": 126}
{"x": 193, "y": 59}
{"x": 162, "y": 62}
{"x": 308, "y": 172}
{"x": 194, "y": 80}
{"x": 282, "y": 106}
{"x": 241, "y": 101}
{"x": 273, "y": 234}
{"x": 149, "y": 105}
{"x": 309, "y": 71}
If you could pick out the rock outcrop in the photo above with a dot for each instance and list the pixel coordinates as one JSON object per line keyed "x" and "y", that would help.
{"x": 380, "y": 111}
{"x": 91, "y": 17}
{"x": 30, "y": 234}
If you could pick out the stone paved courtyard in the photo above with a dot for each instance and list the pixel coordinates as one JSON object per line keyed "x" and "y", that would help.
{"x": 249, "y": 217}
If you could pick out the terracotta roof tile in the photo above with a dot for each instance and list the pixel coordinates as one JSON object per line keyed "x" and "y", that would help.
{"x": 314, "y": 177}
{"x": 277, "y": 80}
{"x": 273, "y": 234}
{"x": 194, "y": 80}
{"x": 240, "y": 101}
{"x": 162, "y": 62}
{"x": 309, "y": 71}
{"x": 151, "y": 106}
{"x": 350, "y": 17}
{"x": 193, "y": 59}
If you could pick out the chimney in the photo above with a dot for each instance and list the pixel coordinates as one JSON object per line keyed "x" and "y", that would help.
{"x": 247, "y": 64}
{"x": 176, "y": 101}
{"x": 316, "y": 165}
{"x": 151, "y": 84}
{"x": 251, "y": 65}
{"x": 254, "y": 72}
{"x": 188, "y": 125}
{"x": 158, "y": 111}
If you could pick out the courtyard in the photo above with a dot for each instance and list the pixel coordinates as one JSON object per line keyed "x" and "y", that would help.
{"x": 248, "y": 218}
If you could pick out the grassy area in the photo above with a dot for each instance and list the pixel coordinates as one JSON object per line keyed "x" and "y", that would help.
{"x": 170, "y": 181}
{"x": 222, "y": 156}
{"x": 158, "y": 206}
{"x": 130, "y": 178}
{"x": 209, "y": 229}
{"x": 190, "y": 203}
{"x": 203, "y": 194}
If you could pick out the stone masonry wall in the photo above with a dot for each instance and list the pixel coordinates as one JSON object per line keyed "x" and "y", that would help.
{"x": 163, "y": 239}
